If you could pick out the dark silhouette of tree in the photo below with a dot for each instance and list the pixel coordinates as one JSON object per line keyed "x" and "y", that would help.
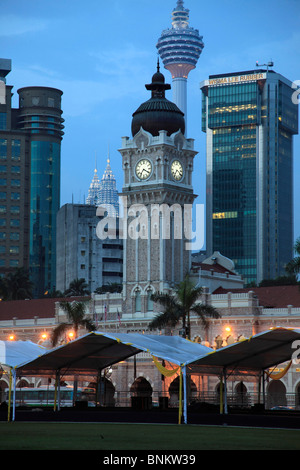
{"x": 16, "y": 285}
{"x": 111, "y": 288}
{"x": 293, "y": 267}
{"x": 77, "y": 288}
{"x": 76, "y": 318}
{"x": 180, "y": 306}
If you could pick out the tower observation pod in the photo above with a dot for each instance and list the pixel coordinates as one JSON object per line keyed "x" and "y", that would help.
{"x": 179, "y": 48}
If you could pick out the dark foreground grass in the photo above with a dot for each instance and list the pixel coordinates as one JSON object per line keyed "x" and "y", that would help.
{"x": 99, "y": 436}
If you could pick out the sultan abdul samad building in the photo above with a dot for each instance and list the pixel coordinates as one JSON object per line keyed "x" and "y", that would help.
{"x": 157, "y": 164}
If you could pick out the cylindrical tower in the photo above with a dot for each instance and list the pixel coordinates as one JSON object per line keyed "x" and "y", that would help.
{"x": 40, "y": 117}
{"x": 179, "y": 48}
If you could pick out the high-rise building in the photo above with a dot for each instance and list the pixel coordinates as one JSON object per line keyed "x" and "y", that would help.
{"x": 94, "y": 188}
{"x": 104, "y": 193}
{"x": 30, "y": 145}
{"x": 250, "y": 119}
{"x": 108, "y": 193}
{"x": 81, "y": 253}
{"x": 179, "y": 48}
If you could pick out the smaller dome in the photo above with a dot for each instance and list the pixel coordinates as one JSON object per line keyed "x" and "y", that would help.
{"x": 157, "y": 78}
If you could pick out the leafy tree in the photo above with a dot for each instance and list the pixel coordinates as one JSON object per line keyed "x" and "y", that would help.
{"x": 16, "y": 285}
{"x": 293, "y": 267}
{"x": 76, "y": 317}
{"x": 112, "y": 288}
{"x": 77, "y": 288}
{"x": 180, "y": 306}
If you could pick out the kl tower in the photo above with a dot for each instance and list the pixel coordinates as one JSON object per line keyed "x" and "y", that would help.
{"x": 179, "y": 48}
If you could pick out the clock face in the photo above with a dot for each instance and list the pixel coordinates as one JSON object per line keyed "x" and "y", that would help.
{"x": 143, "y": 169}
{"x": 177, "y": 170}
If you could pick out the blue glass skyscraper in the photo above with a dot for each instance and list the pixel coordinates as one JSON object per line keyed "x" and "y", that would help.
{"x": 250, "y": 119}
{"x": 30, "y": 143}
{"x": 40, "y": 118}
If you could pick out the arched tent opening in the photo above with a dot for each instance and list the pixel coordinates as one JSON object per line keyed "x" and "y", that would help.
{"x": 141, "y": 394}
{"x": 174, "y": 391}
{"x": 241, "y": 397}
{"x": 101, "y": 393}
{"x": 276, "y": 394}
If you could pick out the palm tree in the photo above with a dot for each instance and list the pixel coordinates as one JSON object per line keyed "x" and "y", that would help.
{"x": 293, "y": 267}
{"x": 76, "y": 317}
{"x": 180, "y": 306}
{"x": 16, "y": 285}
{"x": 77, "y": 288}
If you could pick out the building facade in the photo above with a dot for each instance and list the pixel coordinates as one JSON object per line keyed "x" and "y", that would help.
{"x": 157, "y": 190}
{"x": 250, "y": 120}
{"x": 81, "y": 253}
{"x": 30, "y": 148}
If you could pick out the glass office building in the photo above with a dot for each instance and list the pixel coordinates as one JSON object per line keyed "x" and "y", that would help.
{"x": 30, "y": 142}
{"x": 39, "y": 115}
{"x": 250, "y": 119}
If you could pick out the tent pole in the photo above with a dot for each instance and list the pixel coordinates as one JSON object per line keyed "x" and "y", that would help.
{"x": 97, "y": 397}
{"x": 221, "y": 394}
{"x": 9, "y": 395}
{"x": 225, "y": 392}
{"x": 264, "y": 389}
{"x": 58, "y": 391}
{"x": 184, "y": 395}
{"x": 55, "y": 392}
{"x": 14, "y": 393}
{"x": 180, "y": 396}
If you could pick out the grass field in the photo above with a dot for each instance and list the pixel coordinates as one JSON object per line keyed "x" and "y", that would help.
{"x": 99, "y": 436}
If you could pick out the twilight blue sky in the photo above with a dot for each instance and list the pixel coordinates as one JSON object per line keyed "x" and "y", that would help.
{"x": 101, "y": 53}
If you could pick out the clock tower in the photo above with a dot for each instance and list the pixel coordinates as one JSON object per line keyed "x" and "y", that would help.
{"x": 157, "y": 198}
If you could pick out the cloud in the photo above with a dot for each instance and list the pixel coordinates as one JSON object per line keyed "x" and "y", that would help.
{"x": 13, "y": 25}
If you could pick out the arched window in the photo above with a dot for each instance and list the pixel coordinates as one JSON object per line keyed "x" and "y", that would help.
{"x": 138, "y": 303}
{"x": 149, "y": 301}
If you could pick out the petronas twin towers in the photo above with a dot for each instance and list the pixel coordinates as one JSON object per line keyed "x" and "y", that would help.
{"x": 104, "y": 192}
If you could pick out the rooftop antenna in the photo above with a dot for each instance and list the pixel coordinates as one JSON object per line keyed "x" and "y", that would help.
{"x": 269, "y": 64}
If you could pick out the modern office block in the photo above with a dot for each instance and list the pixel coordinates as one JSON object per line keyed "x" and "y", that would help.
{"x": 81, "y": 254}
{"x": 250, "y": 119}
{"x": 30, "y": 143}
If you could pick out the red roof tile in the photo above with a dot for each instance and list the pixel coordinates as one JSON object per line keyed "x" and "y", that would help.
{"x": 22, "y": 309}
{"x": 272, "y": 296}
{"x": 218, "y": 268}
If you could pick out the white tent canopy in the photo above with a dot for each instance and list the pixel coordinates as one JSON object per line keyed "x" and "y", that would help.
{"x": 252, "y": 355}
{"x": 14, "y": 353}
{"x": 97, "y": 350}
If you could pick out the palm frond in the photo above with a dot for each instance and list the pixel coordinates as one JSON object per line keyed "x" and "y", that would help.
{"x": 59, "y": 331}
{"x": 161, "y": 320}
{"x": 88, "y": 324}
{"x": 204, "y": 311}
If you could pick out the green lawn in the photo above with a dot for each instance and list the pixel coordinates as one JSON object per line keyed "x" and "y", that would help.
{"x": 99, "y": 436}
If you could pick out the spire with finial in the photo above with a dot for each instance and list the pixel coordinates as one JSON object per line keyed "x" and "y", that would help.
{"x": 94, "y": 188}
{"x": 108, "y": 194}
